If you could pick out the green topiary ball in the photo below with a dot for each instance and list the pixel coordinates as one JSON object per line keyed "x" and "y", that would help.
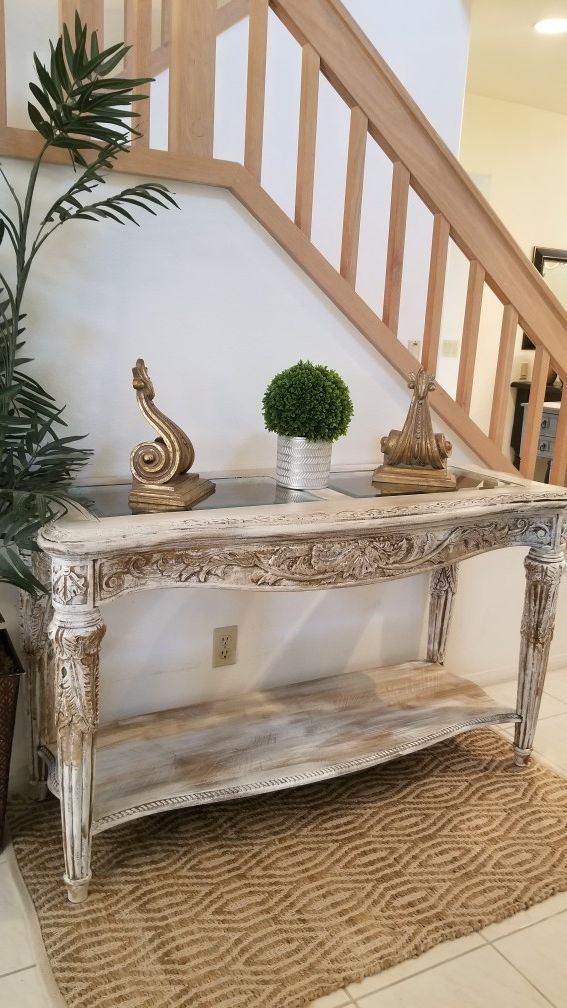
{"x": 308, "y": 400}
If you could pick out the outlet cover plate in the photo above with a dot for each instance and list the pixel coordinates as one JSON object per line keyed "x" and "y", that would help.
{"x": 225, "y": 639}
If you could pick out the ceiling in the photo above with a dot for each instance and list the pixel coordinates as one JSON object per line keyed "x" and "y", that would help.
{"x": 508, "y": 60}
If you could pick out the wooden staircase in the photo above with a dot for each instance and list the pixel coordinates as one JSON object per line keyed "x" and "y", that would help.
{"x": 333, "y": 45}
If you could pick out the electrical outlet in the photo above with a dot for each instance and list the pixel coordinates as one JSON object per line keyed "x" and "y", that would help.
{"x": 224, "y": 645}
{"x": 414, "y": 347}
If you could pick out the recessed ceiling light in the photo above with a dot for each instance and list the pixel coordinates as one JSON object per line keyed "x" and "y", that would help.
{"x": 551, "y": 26}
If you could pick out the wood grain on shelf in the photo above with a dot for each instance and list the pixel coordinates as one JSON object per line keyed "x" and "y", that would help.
{"x": 307, "y": 731}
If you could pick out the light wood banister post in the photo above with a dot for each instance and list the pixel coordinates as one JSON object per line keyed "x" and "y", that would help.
{"x": 3, "y": 52}
{"x": 534, "y": 411}
{"x": 558, "y": 469}
{"x": 230, "y": 14}
{"x": 192, "y": 77}
{"x": 469, "y": 341}
{"x": 307, "y": 139}
{"x": 396, "y": 243}
{"x": 435, "y": 292}
{"x": 67, "y": 10}
{"x": 138, "y": 34}
{"x": 501, "y": 393}
{"x": 256, "y": 86}
{"x": 165, "y": 26}
{"x": 353, "y": 194}
{"x": 91, "y": 13}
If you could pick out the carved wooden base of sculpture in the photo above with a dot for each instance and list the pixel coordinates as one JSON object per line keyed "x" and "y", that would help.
{"x": 408, "y": 480}
{"x": 179, "y": 494}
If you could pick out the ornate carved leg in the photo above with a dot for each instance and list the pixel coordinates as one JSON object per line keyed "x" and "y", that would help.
{"x": 442, "y": 595}
{"x": 543, "y": 574}
{"x": 36, "y": 614}
{"x": 76, "y": 640}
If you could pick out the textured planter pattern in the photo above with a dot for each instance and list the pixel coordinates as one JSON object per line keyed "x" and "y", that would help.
{"x": 303, "y": 464}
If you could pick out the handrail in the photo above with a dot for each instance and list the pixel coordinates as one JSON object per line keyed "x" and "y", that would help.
{"x": 356, "y": 70}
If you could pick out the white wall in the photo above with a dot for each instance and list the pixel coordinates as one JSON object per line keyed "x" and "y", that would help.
{"x": 216, "y": 308}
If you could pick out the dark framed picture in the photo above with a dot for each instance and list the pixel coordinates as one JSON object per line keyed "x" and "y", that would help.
{"x": 546, "y": 261}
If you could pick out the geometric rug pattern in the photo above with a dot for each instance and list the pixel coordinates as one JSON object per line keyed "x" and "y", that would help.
{"x": 273, "y": 901}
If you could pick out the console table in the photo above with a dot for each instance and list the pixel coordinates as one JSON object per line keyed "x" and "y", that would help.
{"x": 252, "y": 536}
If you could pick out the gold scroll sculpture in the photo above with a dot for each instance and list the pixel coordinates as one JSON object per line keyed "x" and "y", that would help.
{"x": 415, "y": 458}
{"x": 161, "y": 481}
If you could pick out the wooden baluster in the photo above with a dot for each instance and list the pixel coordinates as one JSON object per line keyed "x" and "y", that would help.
{"x": 396, "y": 242}
{"x": 501, "y": 394}
{"x": 256, "y": 86}
{"x": 138, "y": 34}
{"x": 435, "y": 292}
{"x": 230, "y": 14}
{"x": 3, "y": 106}
{"x": 165, "y": 22}
{"x": 558, "y": 469}
{"x": 307, "y": 138}
{"x": 353, "y": 194}
{"x": 534, "y": 411}
{"x": 91, "y": 12}
{"x": 470, "y": 335}
{"x": 192, "y": 77}
{"x": 67, "y": 9}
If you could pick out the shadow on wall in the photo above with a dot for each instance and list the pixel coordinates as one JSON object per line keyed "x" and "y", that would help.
{"x": 165, "y": 661}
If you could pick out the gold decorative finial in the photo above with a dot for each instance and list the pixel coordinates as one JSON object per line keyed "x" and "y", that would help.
{"x": 415, "y": 458}
{"x": 159, "y": 467}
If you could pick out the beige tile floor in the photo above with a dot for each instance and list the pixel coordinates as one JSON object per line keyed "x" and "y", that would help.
{"x": 518, "y": 963}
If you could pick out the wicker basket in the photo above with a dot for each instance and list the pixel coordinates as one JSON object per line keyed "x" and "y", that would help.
{"x": 10, "y": 672}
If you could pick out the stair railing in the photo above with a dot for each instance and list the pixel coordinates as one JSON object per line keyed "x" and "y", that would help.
{"x": 333, "y": 45}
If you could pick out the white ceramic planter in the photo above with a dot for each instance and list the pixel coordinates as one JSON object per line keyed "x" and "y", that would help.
{"x": 303, "y": 464}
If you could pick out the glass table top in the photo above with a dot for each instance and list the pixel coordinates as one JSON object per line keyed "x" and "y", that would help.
{"x": 111, "y": 500}
{"x": 359, "y": 484}
{"x": 230, "y": 492}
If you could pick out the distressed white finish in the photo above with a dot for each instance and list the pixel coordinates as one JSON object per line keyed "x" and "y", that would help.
{"x": 543, "y": 574}
{"x": 442, "y": 595}
{"x": 228, "y": 748}
{"x": 76, "y": 638}
{"x": 292, "y": 735}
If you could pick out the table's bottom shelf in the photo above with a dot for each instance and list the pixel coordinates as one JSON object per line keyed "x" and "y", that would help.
{"x": 279, "y": 738}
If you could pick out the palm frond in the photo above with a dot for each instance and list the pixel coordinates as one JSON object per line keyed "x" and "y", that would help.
{"x": 78, "y": 105}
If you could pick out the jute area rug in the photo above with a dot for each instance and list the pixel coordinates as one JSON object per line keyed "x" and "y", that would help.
{"x": 273, "y": 901}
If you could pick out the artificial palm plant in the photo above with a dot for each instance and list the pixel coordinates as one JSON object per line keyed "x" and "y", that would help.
{"x": 81, "y": 107}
